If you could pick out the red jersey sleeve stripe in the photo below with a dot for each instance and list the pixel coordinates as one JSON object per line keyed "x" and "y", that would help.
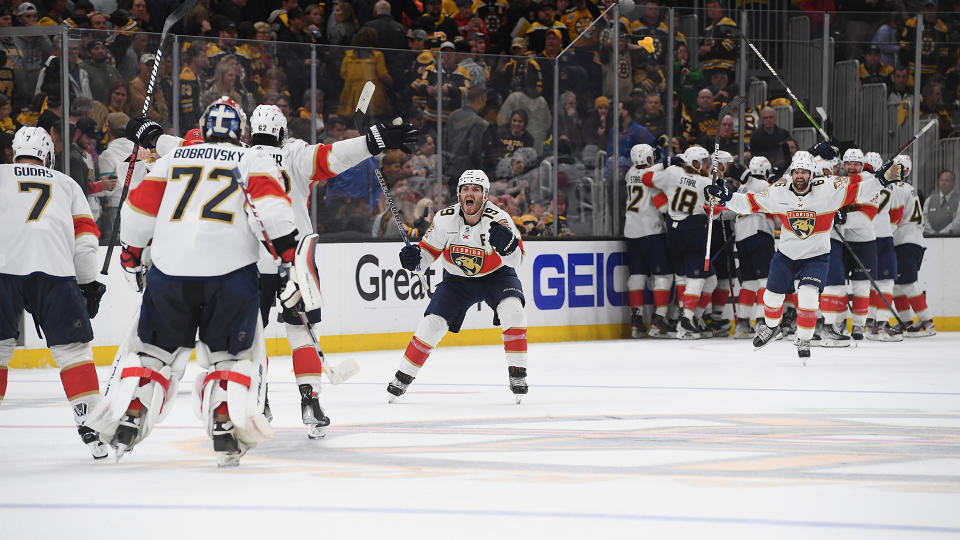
{"x": 659, "y": 200}
{"x": 896, "y": 214}
{"x": 754, "y": 206}
{"x": 85, "y": 225}
{"x": 647, "y": 179}
{"x": 434, "y": 252}
{"x": 869, "y": 210}
{"x": 321, "y": 163}
{"x": 147, "y": 196}
{"x": 852, "y": 188}
{"x": 261, "y": 186}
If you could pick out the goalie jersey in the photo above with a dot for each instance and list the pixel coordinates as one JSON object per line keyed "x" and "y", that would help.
{"x": 805, "y": 218}
{"x": 46, "y": 224}
{"x": 465, "y": 250}
{"x": 194, "y": 210}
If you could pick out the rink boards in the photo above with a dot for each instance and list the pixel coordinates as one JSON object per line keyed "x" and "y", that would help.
{"x": 575, "y": 290}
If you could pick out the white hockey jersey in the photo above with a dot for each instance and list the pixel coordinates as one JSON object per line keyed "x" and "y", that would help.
{"x": 642, "y": 216}
{"x": 881, "y": 221}
{"x": 464, "y": 249}
{"x": 906, "y": 215}
{"x": 859, "y": 225}
{"x": 684, "y": 191}
{"x": 46, "y": 224}
{"x": 194, "y": 210}
{"x": 114, "y": 161}
{"x": 750, "y": 224}
{"x": 804, "y": 218}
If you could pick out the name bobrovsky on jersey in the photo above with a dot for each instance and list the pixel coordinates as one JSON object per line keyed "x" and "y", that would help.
{"x": 219, "y": 154}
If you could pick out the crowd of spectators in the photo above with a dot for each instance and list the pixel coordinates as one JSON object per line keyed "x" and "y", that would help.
{"x": 481, "y": 69}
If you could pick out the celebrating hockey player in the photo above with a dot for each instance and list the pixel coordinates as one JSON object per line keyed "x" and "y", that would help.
{"x": 301, "y": 167}
{"x": 191, "y": 206}
{"x": 48, "y": 247}
{"x": 754, "y": 238}
{"x": 806, "y": 209}
{"x": 480, "y": 248}
{"x": 645, "y": 233}
{"x": 716, "y": 292}
{"x": 878, "y": 317}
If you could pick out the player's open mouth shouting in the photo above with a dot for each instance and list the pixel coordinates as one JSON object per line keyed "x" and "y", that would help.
{"x": 471, "y": 199}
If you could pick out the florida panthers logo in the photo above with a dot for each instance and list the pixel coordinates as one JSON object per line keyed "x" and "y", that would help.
{"x": 468, "y": 259}
{"x": 802, "y": 222}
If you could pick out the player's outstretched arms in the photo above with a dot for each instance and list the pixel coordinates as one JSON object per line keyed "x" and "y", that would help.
{"x": 397, "y": 135}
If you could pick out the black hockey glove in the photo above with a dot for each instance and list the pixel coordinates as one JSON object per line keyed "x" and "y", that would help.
{"x": 889, "y": 173}
{"x": 824, "y": 150}
{"x": 93, "y": 292}
{"x": 840, "y": 217}
{"x": 720, "y": 192}
{"x": 502, "y": 240}
{"x": 677, "y": 161}
{"x": 410, "y": 257}
{"x": 143, "y": 131}
{"x": 395, "y": 135}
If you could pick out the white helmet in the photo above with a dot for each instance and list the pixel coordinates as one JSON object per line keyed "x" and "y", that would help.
{"x": 268, "y": 120}
{"x": 760, "y": 167}
{"x": 874, "y": 160}
{"x": 698, "y": 154}
{"x": 804, "y": 163}
{"x": 475, "y": 177}
{"x": 34, "y": 142}
{"x": 723, "y": 157}
{"x": 904, "y": 161}
{"x": 802, "y": 154}
{"x": 820, "y": 165}
{"x": 853, "y": 155}
{"x": 642, "y": 155}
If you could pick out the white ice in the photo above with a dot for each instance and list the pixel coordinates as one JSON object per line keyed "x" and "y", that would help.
{"x": 617, "y": 439}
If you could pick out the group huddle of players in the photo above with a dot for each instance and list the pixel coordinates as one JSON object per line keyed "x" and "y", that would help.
{"x": 829, "y": 237}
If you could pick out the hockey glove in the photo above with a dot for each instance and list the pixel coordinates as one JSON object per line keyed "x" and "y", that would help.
{"x": 677, "y": 161}
{"x": 143, "y": 131}
{"x": 289, "y": 290}
{"x": 502, "y": 240}
{"x": 130, "y": 261}
{"x": 890, "y": 172}
{"x": 410, "y": 257}
{"x": 720, "y": 193}
{"x": 93, "y": 292}
{"x": 840, "y": 217}
{"x": 824, "y": 150}
{"x": 396, "y": 135}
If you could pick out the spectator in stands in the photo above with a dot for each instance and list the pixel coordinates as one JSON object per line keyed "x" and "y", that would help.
{"x": 729, "y": 139}
{"x": 424, "y": 162}
{"x": 118, "y": 96}
{"x": 768, "y": 140}
{"x": 931, "y": 103}
{"x": 686, "y": 80}
{"x": 311, "y": 102}
{"x": 536, "y": 33}
{"x": 34, "y": 50}
{"x": 295, "y": 59}
{"x": 192, "y": 84}
{"x": 390, "y": 33}
{"x": 138, "y": 94}
{"x": 719, "y": 49}
{"x": 342, "y": 25}
{"x": 934, "y": 54}
{"x": 283, "y": 103}
{"x": 596, "y": 127}
{"x": 887, "y": 39}
{"x": 467, "y": 20}
{"x": 951, "y": 87}
{"x": 621, "y": 75}
{"x": 510, "y": 136}
{"x": 898, "y": 90}
{"x": 362, "y": 64}
{"x": 631, "y": 134}
{"x": 456, "y": 80}
{"x": 872, "y": 70}
{"x": 465, "y": 136}
{"x": 702, "y": 127}
{"x": 7, "y": 125}
{"x": 650, "y": 77}
{"x": 570, "y": 127}
{"x": 103, "y": 75}
{"x": 941, "y": 209}
{"x": 722, "y": 88}
{"x": 225, "y": 83}
{"x": 653, "y": 117}
{"x": 538, "y": 112}
{"x": 434, "y": 20}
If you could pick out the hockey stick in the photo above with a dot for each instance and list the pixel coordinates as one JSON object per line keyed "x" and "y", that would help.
{"x": 360, "y": 113}
{"x": 873, "y": 283}
{"x": 732, "y": 104}
{"x": 916, "y": 137}
{"x": 171, "y": 20}
{"x": 787, "y": 88}
{"x": 336, "y": 374}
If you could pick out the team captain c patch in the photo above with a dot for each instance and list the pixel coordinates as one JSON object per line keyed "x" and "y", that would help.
{"x": 469, "y": 259}
{"x": 802, "y": 222}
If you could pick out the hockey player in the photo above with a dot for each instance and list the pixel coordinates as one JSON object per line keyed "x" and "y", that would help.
{"x": 755, "y": 247}
{"x": 683, "y": 187}
{"x": 806, "y": 208}
{"x": 301, "y": 167}
{"x": 48, "y": 247}
{"x": 906, "y": 216}
{"x": 645, "y": 235}
{"x": 192, "y": 207}
{"x": 717, "y": 290}
{"x": 878, "y": 317}
{"x": 480, "y": 249}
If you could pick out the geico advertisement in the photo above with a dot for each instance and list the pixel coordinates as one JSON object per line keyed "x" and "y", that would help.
{"x": 366, "y": 290}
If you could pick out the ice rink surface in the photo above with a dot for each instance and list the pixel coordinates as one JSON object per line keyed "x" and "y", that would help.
{"x": 617, "y": 439}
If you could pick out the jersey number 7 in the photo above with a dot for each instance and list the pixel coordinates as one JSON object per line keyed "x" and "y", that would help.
{"x": 43, "y": 198}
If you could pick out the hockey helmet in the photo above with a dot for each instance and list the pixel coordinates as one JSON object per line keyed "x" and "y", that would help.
{"x": 33, "y": 142}
{"x": 723, "y": 157}
{"x": 642, "y": 155}
{"x": 698, "y": 154}
{"x": 760, "y": 167}
{"x": 874, "y": 160}
{"x": 853, "y": 155}
{"x": 904, "y": 161}
{"x": 801, "y": 154}
{"x": 224, "y": 118}
{"x": 820, "y": 165}
{"x": 268, "y": 120}
{"x": 803, "y": 163}
{"x": 474, "y": 177}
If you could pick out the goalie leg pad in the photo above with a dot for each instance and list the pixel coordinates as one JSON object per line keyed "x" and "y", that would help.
{"x": 306, "y": 273}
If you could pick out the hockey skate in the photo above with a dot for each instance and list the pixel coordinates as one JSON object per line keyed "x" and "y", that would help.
{"x": 765, "y": 334}
{"x": 886, "y": 332}
{"x": 833, "y": 336}
{"x": 312, "y": 413}
{"x": 637, "y": 328}
{"x": 687, "y": 330}
{"x": 803, "y": 349}
{"x": 870, "y": 330}
{"x": 518, "y": 382}
{"x": 720, "y": 328}
{"x": 89, "y": 437}
{"x": 857, "y": 333}
{"x": 228, "y": 449}
{"x": 788, "y": 326}
{"x": 398, "y": 386}
{"x": 126, "y": 434}
{"x": 921, "y": 329}
{"x": 659, "y": 328}
{"x": 704, "y": 325}
{"x": 817, "y": 339}
{"x": 743, "y": 330}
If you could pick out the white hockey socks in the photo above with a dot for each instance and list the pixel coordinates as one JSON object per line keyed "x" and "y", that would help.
{"x": 808, "y": 299}
{"x": 861, "y": 301}
{"x": 635, "y": 285}
{"x": 772, "y": 308}
{"x": 429, "y": 333}
{"x": 877, "y": 305}
{"x": 691, "y": 296}
{"x": 513, "y": 320}
{"x": 661, "y": 293}
{"x": 307, "y": 363}
{"x": 747, "y": 300}
{"x": 833, "y": 302}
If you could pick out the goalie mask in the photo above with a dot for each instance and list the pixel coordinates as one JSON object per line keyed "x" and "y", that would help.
{"x": 224, "y": 119}
{"x": 35, "y": 143}
{"x": 268, "y": 120}
{"x": 642, "y": 155}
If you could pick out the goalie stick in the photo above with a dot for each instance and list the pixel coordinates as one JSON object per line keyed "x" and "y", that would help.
{"x": 171, "y": 20}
